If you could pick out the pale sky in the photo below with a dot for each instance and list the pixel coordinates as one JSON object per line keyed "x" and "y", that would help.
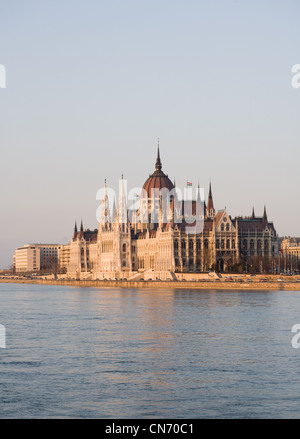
{"x": 91, "y": 85}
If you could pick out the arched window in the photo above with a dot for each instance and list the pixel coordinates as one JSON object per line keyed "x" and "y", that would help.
{"x": 217, "y": 243}
{"x": 222, "y": 227}
{"x": 266, "y": 245}
{"x": 228, "y": 243}
{"x": 233, "y": 244}
{"x": 124, "y": 248}
{"x": 222, "y": 244}
{"x": 227, "y": 227}
{"x": 191, "y": 248}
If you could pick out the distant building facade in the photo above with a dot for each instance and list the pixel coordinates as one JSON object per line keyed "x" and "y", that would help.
{"x": 26, "y": 259}
{"x": 290, "y": 251}
{"x": 36, "y": 257}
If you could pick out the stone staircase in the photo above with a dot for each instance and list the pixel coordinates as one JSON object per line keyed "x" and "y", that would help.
{"x": 87, "y": 276}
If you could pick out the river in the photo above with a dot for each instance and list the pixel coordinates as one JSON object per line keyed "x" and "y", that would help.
{"x": 140, "y": 353}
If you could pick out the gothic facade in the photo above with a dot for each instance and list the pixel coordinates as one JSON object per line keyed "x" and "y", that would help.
{"x": 166, "y": 236}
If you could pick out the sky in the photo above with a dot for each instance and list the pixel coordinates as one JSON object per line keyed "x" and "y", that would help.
{"x": 91, "y": 86}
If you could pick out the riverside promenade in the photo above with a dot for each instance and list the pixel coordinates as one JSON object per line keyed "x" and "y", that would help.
{"x": 245, "y": 284}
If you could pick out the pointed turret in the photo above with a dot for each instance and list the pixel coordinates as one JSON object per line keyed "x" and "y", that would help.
{"x": 265, "y": 218}
{"x": 122, "y": 210}
{"x": 114, "y": 212}
{"x": 81, "y": 230}
{"x": 210, "y": 204}
{"x": 253, "y": 213}
{"x": 198, "y": 193}
{"x": 199, "y": 211}
{"x": 104, "y": 222}
{"x": 158, "y": 165}
{"x": 75, "y": 232}
{"x": 265, "y": 213}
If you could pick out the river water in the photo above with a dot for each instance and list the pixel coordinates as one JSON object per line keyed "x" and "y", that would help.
{"x": 129, "y": 353}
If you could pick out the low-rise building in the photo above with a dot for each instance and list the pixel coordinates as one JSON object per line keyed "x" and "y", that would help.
{"x": 35, "y": 257}
{"x": 290, "y": 254}
{"x": 27, "y": 259}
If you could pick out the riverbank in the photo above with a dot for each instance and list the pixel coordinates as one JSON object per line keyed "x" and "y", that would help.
{"x": 201, "y": 285}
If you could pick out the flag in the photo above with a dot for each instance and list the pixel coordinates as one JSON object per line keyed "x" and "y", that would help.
{"x": 188, "y": 183}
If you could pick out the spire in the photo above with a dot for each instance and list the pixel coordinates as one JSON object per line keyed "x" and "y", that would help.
{"x": 265, "y": 213}
{"x": 200, "y": 205}
{"x": 122, "y": 209}
{"x": 114, "y": 212}
{"x": 210, "y": 203}
{"x": 253, "y": 213}
{"x": 158, "y": 162}
{"x": 75, "y": 232}
{"x": 81, "y": 230}
{"x": 198, "y": 193}
{"x": 104, "y": 214}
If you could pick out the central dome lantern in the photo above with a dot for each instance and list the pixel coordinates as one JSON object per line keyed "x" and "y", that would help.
{"x": 157, "y": 180}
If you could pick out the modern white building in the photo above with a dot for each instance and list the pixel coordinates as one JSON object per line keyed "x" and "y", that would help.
{"x": 27, "y": 259}
{"x": 34, "y": 257}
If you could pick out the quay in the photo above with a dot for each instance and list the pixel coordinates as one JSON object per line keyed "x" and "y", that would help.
{"x": 286, "y": 285}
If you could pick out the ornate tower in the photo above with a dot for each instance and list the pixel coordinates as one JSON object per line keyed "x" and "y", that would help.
{"x": 122, "y": 235}
{"x": 210, "y": 210}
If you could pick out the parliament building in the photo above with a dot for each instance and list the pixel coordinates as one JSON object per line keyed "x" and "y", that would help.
{"x": 162, "y": 240}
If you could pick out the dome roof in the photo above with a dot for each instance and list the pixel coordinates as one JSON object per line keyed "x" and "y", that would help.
{"x": 157, "y": 180}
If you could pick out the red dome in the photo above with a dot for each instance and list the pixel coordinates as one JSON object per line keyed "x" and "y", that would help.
{"x": 158, "y": 179}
